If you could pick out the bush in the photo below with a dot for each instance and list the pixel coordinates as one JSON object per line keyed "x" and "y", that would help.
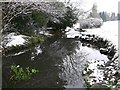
{"x": 69, "y": 18}
{"x": 22, "y": 24}
{"x": 39, "y": 18}
{"x": 91, "y": 23}
{"x": 27, "y": 24}
{"x": 35, "y": 39}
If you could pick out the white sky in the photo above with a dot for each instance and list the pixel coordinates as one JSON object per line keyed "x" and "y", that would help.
{"x": 103, "y": 5}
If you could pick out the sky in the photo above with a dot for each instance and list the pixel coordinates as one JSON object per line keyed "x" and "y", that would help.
{"x": 102, "y": 5}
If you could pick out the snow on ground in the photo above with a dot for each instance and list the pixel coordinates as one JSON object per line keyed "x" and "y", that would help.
{"x": 109, "y": 31}
{"x": 71, "y": 32}
{"x": 16, "y": 40}
{"x": 12, "y": 40}
{"x": 76, "y": 26}
{"x": 95, "y": 58}
{"x": 47, "y": 33}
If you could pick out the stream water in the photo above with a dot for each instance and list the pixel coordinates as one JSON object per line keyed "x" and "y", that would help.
{"x": 60, "y": 62}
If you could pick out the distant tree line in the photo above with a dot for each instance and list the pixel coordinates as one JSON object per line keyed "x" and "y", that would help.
{"x": 109, "y": 16}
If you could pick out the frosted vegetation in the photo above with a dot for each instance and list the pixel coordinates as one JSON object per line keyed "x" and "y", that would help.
{"x": 31, "y": 26}
{"x": 33, "y": 18}
{"x": 91, "y": 23}
{"x": 109, "y": 30}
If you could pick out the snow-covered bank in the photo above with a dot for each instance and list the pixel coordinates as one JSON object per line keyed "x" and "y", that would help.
{"x": 98, "y": 70}
{"x": 107, "y": 70}
{"x": 13, "y": 39}
{"x": 17, "y": 42}
{"x": 71, "y": 32}
{"x": 109, "y": 31}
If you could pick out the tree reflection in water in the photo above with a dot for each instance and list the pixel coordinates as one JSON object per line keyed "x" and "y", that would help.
{"x": 68, "y": 50}
{"x": 58, "y": 61}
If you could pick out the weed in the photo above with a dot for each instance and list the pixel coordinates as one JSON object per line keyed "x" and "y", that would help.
{"x": 20, "y": 74}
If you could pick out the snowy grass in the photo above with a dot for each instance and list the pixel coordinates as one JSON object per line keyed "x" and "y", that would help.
{"x": 16, "y": 42}
{"x": 109, "y": 31}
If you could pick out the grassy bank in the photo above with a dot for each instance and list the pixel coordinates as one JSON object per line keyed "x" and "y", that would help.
{"x": 30, "y": 41}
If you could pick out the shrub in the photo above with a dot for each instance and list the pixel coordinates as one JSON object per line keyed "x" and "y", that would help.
{"x": 40, "y": 18}
{"x": 35, "y": 39}
{"x": 22, "y": 24}
{"x": 20, "y": 74}
{"x": 30, "y": 41}
{"x": 69, "y": 18}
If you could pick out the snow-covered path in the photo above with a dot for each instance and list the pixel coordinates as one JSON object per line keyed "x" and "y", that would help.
{"x": 109, "y": 31}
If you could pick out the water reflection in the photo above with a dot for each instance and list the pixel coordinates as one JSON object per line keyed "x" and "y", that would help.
{"x": 58, "y": 61}
{"x": 73, "y": 66}
{"x": 55, "y": 59}
{"x": 72, "y": 62}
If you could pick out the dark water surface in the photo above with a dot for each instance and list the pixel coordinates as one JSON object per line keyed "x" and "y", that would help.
{"x": 60, "y": 62}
